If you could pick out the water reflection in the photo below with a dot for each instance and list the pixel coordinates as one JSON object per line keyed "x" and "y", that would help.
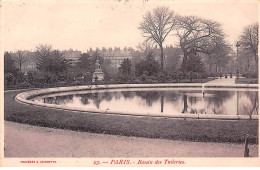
{"x": 163, "y": 101}
{"x": 150, "y": 97}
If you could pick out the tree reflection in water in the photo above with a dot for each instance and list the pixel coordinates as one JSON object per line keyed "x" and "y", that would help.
{"x": 96, "y": 99}
{"x": 149, "y": 96}
{"x": 168, "y": 101}
{"x": 162, "y": 103}
{"x": 185, "y": 104}
{"x": 128, "y": 94}
{"x": 59, "y": 100}
{"x": 84, "y": 98}
{"x": 248, "y": 102}
{"x": 216, "y": 103}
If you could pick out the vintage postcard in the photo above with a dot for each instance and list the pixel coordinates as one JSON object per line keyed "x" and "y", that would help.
{"x": 129, "y": 83}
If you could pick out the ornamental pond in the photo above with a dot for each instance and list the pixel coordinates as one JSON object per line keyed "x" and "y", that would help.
{"x": 156, "y": 101}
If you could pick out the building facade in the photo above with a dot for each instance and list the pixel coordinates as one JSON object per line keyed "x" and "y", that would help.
{"x": 116, "y": 56}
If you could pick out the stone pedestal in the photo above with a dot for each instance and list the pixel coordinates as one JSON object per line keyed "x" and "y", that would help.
{"x": 98, "y": 75}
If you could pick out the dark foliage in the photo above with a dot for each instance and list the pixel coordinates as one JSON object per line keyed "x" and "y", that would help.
{"x": 54, "y": 62}
{"x": 150, "y": 66}
{"x": 195, "y": 64}
{"x": 9, "y": 64}
{"x": 125, "y": 68}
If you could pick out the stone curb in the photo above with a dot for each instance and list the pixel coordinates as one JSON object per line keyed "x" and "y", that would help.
{"x": 25, "y": 96}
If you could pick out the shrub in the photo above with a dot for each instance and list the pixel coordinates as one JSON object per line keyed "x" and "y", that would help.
{"x": 9, "y": 79}
{"x": 76, "y": 83}
{"x": 40, "y": 78}
{"x": 212, "y": 75}
{"x": 190, "y": 75}
{"x": 137, "y": 81}
{"x": 150, "y": 66}
{"x": 24, "y": 84}
{"x": 19, "y": 77}
{"x": 180, "y": 75}
{"x": 163, "y": 77}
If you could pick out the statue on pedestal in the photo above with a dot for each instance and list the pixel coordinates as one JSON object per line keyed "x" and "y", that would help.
{"x": 98, "y": 75}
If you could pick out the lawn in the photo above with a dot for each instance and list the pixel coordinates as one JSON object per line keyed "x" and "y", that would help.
{"x": 247, "y": 81}
{"x": 66, "y": 84}
{"x": 167, "y": 128}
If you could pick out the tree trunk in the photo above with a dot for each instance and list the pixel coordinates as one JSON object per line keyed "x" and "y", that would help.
{"x": 256, "y": 69}
{"x": 210, "y": 68}
{"x": 20, "y": 65}
{"x": 248, "y": 66}
{"x": 184, "y": 61}
{"x": 161, "y": 48}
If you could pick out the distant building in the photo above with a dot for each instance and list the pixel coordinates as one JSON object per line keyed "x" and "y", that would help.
{"x": 116, "y": 55}
{"x": 72, "y": 55}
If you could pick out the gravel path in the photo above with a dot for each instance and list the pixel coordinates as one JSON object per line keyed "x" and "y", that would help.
{"x": 30, "y": 141}
{"x": 223, "y": 80}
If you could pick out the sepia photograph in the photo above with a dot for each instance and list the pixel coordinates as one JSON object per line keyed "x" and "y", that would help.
{"x": 102, "y": 83}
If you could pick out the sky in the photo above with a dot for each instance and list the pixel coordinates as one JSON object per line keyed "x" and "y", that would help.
{"x": 79, "y": 24}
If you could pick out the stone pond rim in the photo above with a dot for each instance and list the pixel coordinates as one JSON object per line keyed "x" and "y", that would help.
{"x": 25, "y": 96}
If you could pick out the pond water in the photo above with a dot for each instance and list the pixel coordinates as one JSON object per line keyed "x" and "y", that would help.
{"x": 168, "y": 101}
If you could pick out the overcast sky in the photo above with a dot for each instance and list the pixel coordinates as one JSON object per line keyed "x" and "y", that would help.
{"x": 84, "y": 24}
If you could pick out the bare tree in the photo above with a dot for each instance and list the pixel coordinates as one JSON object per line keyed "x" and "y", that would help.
{"x": 156, "y": 26}
{"x": 145, "y": 47}
{"x": 20, "y": 58}
{"x": 221, "y": 56}
{"x": 173, "y": 60}
{"x": 43, "y": 53}
{"x": 249, "y": 41}
{"x": 197, "y": 35}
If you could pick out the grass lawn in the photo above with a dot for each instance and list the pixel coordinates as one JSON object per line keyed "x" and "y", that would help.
{"x": 247, "y": 81}
{"x": 20, "y": 86}
{"x": 167, "y": 128}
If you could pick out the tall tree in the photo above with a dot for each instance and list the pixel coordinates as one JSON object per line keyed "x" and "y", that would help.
{"x": 59, "y": 62}
{"x": 43, "y": 53}
{"x": 145, "y": 47}
{"x": 108, "y": 69}
{"x": 86, "y": 62}
{"x": 125, "y": 68}
{"x": 195, "y": 64}
{"x": 197, "y": 35}
{"x": 221, "y": 56}
{"x": 9, "y": 63}
{"x": 156, "y": 26}
{"x": 249, "y": 41}
{"x": 173, "y": 59}
{"x": 20, "y": 58}
{"x": 49, "y": 60}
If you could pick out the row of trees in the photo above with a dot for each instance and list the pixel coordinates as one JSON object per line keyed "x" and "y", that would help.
{"x": 248, "y": 49}
{"x": 19, "y": 58}
{"x": 201, "y": 44}
{"x": 148, "y": 71}
{"x": 197, "y": 37}
{"x": 52, "y": 68}
{"x": 50, "y": 64}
